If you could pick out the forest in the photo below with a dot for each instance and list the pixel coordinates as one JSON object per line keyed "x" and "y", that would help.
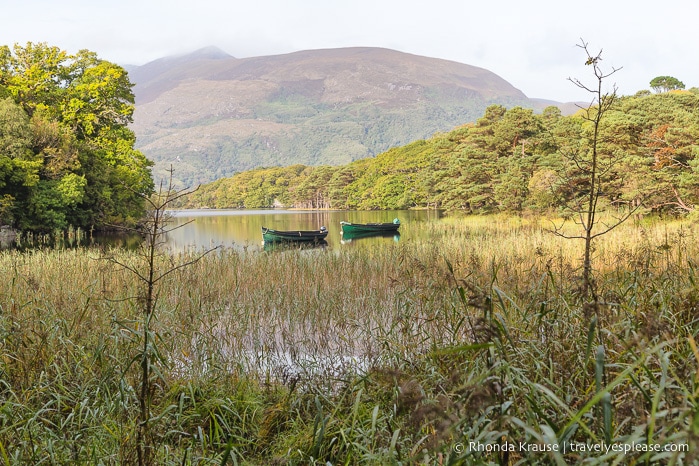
{"x": 67, "y": 155}
{"x": 510, "y": 160}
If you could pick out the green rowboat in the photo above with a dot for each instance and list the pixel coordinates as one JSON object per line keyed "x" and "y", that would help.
{"x": 278, "y": 236}
{"x": 359, "y": 228}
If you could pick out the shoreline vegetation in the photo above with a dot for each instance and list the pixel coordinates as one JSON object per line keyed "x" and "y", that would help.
{"x": 403, "y": 354}
{"x": 511, "y": 161}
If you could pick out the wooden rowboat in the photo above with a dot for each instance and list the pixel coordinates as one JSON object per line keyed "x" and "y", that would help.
{"x": 359, "y": 228}
{"x": 278, "y": 236}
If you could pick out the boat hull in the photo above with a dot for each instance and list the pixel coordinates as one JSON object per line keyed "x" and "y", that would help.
{"x": 374, "y": 228}
{"x": 301, "y": 236}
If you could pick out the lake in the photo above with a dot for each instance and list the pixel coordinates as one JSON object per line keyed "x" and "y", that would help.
{"x": 242, "y": 229}
{"x": 238, "y": 229}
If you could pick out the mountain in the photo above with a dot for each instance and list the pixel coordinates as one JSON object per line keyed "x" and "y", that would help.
{"x": 209, "y": 115}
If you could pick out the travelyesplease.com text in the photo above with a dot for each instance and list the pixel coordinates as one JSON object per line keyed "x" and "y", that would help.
{"x": 569, "y": 447}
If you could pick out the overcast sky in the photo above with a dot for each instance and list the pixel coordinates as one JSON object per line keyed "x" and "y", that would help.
{"x": 531, "y": 44}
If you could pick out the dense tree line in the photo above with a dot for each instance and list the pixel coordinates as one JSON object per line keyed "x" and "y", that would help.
{"x": 67, "y": 156}
{"x": 509, "y": 160}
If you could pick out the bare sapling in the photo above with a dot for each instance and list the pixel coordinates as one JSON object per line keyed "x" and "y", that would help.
{"x": 148, "y": 267}
{"x": 594, "y": 167}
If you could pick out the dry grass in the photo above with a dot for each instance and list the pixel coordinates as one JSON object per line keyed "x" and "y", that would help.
{"x": 388, "y": 355}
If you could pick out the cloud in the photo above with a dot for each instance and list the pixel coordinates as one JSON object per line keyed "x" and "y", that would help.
{"x": 531, "y": 46}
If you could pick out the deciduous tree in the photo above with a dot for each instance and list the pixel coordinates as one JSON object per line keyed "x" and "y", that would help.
{"x": 78, "y": 108}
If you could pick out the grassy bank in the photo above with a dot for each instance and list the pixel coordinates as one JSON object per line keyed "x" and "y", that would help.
{"x": 448, "y": 351}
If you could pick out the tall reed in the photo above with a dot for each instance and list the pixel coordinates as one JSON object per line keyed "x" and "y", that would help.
{"x": 397, "y": 354}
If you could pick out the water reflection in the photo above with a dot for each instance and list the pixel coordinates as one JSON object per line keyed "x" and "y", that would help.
{"x": 292, "y": 246}
{"x": 349, "y": 237}
{"x": 242, "y": 229}
{"x": 71, "y": 239}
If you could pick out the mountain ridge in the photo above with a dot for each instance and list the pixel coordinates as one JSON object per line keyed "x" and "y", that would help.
{"x": 209, "y": 114}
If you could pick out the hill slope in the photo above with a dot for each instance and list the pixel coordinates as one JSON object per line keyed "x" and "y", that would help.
{"x": 211, "y": 115}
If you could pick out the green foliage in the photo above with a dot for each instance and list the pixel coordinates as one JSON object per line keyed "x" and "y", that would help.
{"x": 19, "y": 167}
{"x": 15, "y": 131}
{"x": 67, "y": 156}
{"x": 51, "y": 203}
{"x": 511, "y": 160}
{"x": 666, "y": 83}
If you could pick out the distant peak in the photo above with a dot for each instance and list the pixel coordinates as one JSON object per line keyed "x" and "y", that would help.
{"x": 211, "y": 52}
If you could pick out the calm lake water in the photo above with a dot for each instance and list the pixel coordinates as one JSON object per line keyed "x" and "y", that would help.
{"x": 242, "y": 229}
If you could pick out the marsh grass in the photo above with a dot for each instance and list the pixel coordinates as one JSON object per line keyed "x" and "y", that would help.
{"x": 392, "y": 355}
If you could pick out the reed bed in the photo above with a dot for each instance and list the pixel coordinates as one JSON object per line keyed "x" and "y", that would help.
{"x": 461, "y": 349}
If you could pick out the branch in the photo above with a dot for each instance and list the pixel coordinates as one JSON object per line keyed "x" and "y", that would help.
{"x": 619, "y": 222}
{"x": 127, "y": 267}
{"x": 680, "y": 202}
{"x": 557, "y": 231}
{"x": 185, "y": 264}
